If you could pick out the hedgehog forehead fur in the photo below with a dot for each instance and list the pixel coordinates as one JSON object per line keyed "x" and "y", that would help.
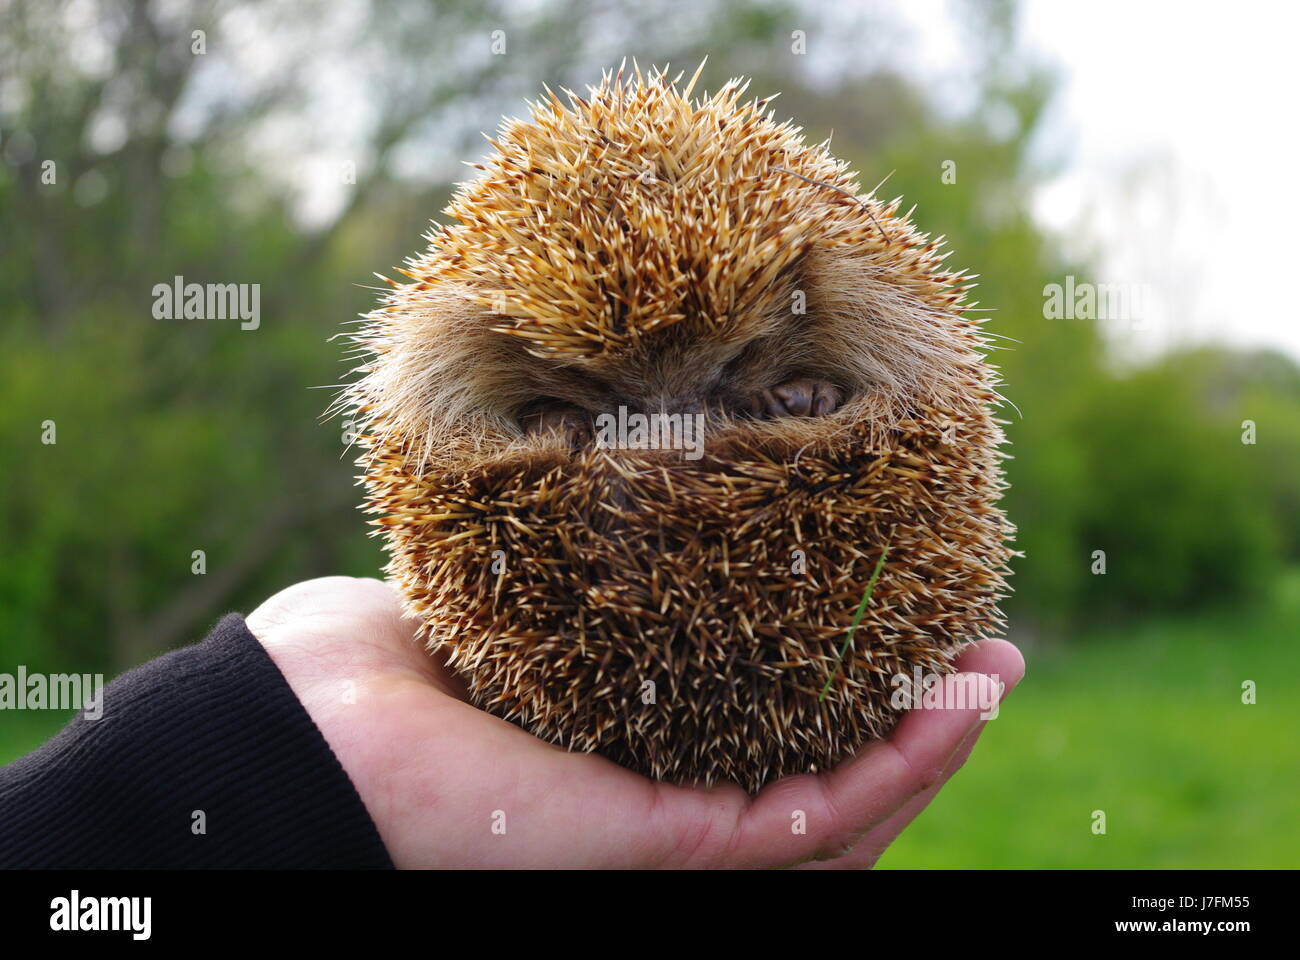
{"x": 640, "y": 238}
{"x": 637, "y": 247}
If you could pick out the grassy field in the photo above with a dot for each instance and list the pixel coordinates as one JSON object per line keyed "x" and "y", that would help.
{"x": 1146, "y": 725}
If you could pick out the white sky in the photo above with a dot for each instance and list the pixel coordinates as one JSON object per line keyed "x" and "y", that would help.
{"x": 1176, "y": 122}
{"x": 1181, "y": 119}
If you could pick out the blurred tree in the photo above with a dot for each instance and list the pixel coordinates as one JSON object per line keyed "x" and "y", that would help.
{"x": 301, "y": 147}
{"x": 1178, "y": 505}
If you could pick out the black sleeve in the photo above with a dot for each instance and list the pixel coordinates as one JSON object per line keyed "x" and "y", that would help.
{"x": 209, "y": 736}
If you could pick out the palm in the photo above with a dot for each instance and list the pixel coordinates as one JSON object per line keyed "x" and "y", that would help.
{"x": 450, "y": 785}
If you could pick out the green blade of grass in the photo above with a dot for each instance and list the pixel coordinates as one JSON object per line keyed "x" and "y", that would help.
{"x": 857, "y": 618}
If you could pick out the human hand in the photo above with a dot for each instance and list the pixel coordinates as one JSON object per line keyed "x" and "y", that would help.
{"x": 436, "y": 773}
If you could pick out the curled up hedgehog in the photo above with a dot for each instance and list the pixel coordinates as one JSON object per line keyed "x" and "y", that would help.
{"x": 648, "y": 416}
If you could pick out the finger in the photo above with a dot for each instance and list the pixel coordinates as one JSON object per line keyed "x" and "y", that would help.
{"x": 871, "y": 846}
{"x": 915, "y": 758}
{"x": 660, "y": 824}
{"x": 807, "y": 817}
{"x": 995, "y": 658}
{"x": 344, "y": 622}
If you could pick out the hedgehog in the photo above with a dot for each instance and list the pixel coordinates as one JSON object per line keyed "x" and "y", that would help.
{"x": 642, "y": 253}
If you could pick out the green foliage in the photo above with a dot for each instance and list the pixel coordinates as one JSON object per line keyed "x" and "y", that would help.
{"x": 1180, "y": 505}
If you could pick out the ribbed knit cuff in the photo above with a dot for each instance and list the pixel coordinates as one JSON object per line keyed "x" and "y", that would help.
{"x": 201, "y": 758}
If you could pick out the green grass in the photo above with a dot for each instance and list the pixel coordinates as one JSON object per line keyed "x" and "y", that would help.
{"x": 1146, "y": 724}
{"x": 857, "y": 620}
